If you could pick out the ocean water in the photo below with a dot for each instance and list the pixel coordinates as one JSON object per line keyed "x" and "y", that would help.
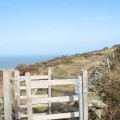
{"x": 13, "y": 61}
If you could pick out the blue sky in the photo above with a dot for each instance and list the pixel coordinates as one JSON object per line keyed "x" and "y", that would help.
{"x": 57, "y": 27}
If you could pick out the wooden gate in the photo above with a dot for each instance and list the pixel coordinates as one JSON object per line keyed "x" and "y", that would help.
{"x": 29, "y": 84}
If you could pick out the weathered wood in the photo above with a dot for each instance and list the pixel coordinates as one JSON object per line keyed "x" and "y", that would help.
{"x": 17, "y": 94}
{"x": 53, "y": 116}
{"x": 108, "y": 65}
{"x": 49, "y": 90}
{"x": 29, "y": 98}
{"x": 33, "y": 97}
{"x": 39, "y": 77}
{"x": 7, "y": 95}
{"x": 55, "y": 99}
{"x": 46, "y": 83}
{"x": 79, "y": 91}
{"x": 22, "y": 87}
{"x": 85, "y": 93}
{"x": 33, "y": 101}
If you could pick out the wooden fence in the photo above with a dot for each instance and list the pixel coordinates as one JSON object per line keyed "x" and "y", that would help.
{"x": 29, "y": 84}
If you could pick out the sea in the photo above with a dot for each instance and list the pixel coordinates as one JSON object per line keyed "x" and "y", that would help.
{"x": 11, "y": 62}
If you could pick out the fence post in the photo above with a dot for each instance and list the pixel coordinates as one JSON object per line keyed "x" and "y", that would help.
{"x": 108, "y": 65}
{"x": 29, "y": 98}
{"x": 17, "y": 94}
{"x": 7, "y": 95}
{"x": 85, "y": 93}
{"x": 49, "y": 89}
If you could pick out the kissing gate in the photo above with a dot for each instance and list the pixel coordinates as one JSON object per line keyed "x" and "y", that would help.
{"x": 22, "y": 89}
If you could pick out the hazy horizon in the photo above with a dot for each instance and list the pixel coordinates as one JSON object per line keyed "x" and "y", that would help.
{"x": 53, "y": 55}
{"x": 14, "y": 61}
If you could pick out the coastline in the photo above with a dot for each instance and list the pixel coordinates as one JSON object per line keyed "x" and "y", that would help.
{"x": 10, "y": 62}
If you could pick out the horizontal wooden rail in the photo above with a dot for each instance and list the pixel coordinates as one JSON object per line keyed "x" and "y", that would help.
{"x": 55, "y": 99}
{"x": 45, "y": 83}
{"x": 34, "y": 96}
{"x": 52, "y": 116}
{"x": 39, "y": 77}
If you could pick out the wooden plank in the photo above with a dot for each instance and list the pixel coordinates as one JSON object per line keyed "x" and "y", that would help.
{"x": 56, "y": 116}
{"x": 29, "y": 98}
{"x": 53, "y": 116}
{"x": 55, "y": 99}
{"x": 39, "y": 77}
{"x": 17, "y": 94}
{"x": 46, "y": 83}
{"x": 7, "y": 95}
{"x": 49, "y": 90}
{"x": 22, "y": 87}
{"x": 85, "y": 93}
{"x": 35, "y": 96}
{"x": 79, "y": 86}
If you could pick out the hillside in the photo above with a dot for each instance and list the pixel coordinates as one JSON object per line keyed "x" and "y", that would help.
{"x": 94, "y": 62}
{"x": 67, "y": 66}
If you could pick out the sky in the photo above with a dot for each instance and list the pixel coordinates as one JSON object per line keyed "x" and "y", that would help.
{"x": 57, "y": 27}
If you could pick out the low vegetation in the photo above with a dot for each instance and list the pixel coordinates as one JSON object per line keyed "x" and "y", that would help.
{"x": 110, "y": 88}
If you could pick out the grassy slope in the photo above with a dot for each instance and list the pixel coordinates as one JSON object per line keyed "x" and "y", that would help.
{"x": 66, "y": 66}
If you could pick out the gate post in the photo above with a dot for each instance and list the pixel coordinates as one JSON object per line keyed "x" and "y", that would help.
{"x": 80, "y": 97}
{"x": 49, "y": 90}
{"x": 7, "y": 95}
{"x": 17, "y": 94}
{"x": 82, "y": 91}
{"x": 85, "y": 93}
